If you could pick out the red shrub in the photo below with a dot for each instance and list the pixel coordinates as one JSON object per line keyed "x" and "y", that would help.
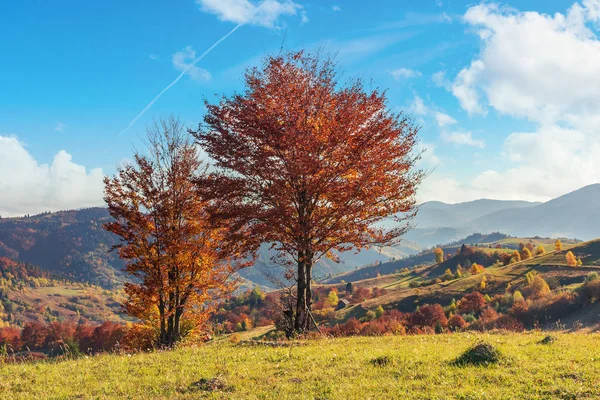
{"x": 10, "y": 336}
{"x": 456, "y": 323}
{"x": 429, "y": 315}
{"x": 471, "y": 303}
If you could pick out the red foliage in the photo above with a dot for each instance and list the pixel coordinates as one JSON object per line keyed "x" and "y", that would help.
{"x": 429, "y": 315}
{"x": 456, "y": 323}
{"x": 360, "y": 294}
{"x": 471, "y": 303}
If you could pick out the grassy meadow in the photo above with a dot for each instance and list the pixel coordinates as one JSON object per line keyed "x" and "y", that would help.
{"x": 407, "y": 367}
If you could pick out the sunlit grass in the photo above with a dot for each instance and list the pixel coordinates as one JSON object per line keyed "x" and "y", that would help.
{"x": 416, "y": 367}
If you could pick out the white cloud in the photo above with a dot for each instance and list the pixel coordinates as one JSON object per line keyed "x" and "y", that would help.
{"x": 462, "y": 138}
{"x": 266, "y": 13}
{"x": 153, "y": 57}
{"x": 336, "y": 8}
{"x": 418, "y": 107}
{"x": 304, "y": 18}
{"x": 443, "y": 120}
{"x": 547, "y": 163}
{"x": 464, "y": 88}
{"x": 183, "y": 59}
{"x": 532, "y": 65}
{"x": 440, "y": 80}
{"x": 60, "y": 127}
{"x": 27, "y": 187}
{"x": 405, "y": 73}
{"x": 541, "y": 68}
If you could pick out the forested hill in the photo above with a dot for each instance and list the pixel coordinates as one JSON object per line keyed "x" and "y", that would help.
{"x": 70, "y": 244}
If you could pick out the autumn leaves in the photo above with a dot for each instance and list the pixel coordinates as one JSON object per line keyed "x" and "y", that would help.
{"x": 300, "y": 161}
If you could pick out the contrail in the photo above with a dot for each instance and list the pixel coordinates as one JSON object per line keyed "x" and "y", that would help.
{"x": 194, "y": 62}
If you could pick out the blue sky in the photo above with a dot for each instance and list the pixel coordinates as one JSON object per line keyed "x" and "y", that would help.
{"x": 506, "y": 93}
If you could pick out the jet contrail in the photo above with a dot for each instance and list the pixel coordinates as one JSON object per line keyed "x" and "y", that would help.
{"x": 194, "y": 62}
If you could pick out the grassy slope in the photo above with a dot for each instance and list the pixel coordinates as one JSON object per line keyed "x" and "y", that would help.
{"x": 427, "y": 257}
{"x": 327, "y": 369}
{"x": 401, "y": 296}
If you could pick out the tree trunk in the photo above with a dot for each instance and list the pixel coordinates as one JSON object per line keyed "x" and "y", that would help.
{"x": 301, "y": 314}
{"x": 163, "y": 327}
{"x": 304, "y": 295}
{"x": 177, "y": 326}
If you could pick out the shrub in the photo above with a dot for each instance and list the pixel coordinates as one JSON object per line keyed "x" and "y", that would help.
{"x": 370, "y": 315}
{"x": 456, "y": 323}
{"x": 592, "y": 276}
{"x": 379, "y": 312}
{"x": 589, "y": 292}
{"x": 471, "y": 303}
{"x": 429, "y": 316}
{"x": 525, "y": 254}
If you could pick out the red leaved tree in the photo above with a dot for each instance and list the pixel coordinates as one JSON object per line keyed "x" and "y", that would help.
{"x": 179, "y": 260}
{"x": 309, "y": 165}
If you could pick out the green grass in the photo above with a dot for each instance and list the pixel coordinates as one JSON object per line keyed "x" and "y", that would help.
{"x": 415, "y": 367}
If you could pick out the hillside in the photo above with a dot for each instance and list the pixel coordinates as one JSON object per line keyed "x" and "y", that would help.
{"x": 407, "y": 290}
{"x": 412, "y": 367}
{"x": 69, "y": 244}
{"x": 73, "y": 245}
{"x": 426, "y": 257}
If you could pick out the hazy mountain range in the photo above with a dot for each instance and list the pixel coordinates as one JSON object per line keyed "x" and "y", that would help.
{"x": 74, "y": 245}
{"x": 573, "y": 215}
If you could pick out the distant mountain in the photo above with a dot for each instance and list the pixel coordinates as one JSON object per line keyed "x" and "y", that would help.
{"x": 435, "y": 214}
{"x": 264, "y": 268}
{"x": 574, "y": 215}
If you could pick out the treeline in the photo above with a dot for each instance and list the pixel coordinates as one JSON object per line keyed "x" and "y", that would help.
{"x": 62, "y": 338}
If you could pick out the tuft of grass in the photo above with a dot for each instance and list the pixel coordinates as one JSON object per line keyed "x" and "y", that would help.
{"x": 548, "y": 340}
{"x": 382, "y": 361}
{"x": 480, "y": 354}
{"x": 211, "y": 385}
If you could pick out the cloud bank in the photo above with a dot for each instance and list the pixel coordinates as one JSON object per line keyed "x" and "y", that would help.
{"x": 28, "y": 187}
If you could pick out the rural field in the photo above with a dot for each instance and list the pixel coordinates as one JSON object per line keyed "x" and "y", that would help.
{"x": 407, "y": 367}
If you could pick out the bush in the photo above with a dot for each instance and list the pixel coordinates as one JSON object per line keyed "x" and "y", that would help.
{"x": 471, "y": 303}
{"x": 456, "y": 323}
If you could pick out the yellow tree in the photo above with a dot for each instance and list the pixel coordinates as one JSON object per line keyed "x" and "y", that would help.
{"x": 333, "y": 298}
{"x": 439, "y": 255}
{"x": 483, "y": 284}
{"x": 557, "y": 245}
{"x": 516, "y": 257}
{"x": 571, "y": 259}
{"x": 525, "y": 253}
{"x": 178, "y": 260}
{"x": 540, "y": 251}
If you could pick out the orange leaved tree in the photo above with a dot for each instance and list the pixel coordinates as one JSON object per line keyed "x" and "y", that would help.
{"x": 309, "y": 165}
{"x": 178, "y": 260}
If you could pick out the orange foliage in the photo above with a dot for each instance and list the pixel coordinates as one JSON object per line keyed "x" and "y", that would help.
{"x": 178, "y": 256}
{"x": 571, "y": 259}
{"x": 308, "y": 165}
